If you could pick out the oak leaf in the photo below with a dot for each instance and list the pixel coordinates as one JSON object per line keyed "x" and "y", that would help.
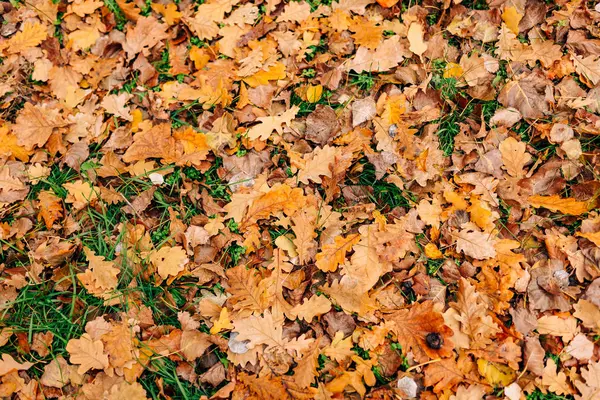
{"x": 413, "y": 326}
{"x": 556, "y": 382}
{"x": 169, "y": 261}
{"x": 9, "y": 364}
{"x": 473, "y": 316}
{"x": 475, "y": 244}
{"x": 88, "y": 353}
{"x": 514, "y": 156}
{"x": 334, "y": 254}
{"x": 31, "y": 35}
{"x": 590, "y": 390}
{"x": 557, "y": 326}
{"x": 313, "y": 307}
{"x": 147, "y": 33}
{"x": 35, "y": 124}
{"x": 268, "y": 125}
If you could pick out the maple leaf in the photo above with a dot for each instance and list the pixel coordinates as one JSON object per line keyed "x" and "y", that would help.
{"x": 88, "y": 353}
{"x": 169, "y": 261}
{"x": 9, "y": 364}
{"x": 267, "y": 125}
{"x": 417, "y": 327}
{"x": 557, "y": 204}
{"x": 334, "y": 254}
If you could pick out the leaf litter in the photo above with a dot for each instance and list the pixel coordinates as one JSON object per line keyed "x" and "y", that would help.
{"x": 299, "y": 200}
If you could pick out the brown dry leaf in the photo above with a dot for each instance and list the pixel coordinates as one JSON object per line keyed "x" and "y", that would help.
{"x": 421, "y": 329}
{"x": 473, "y": 316}
{"x": 148, "y": 32}
{"x": 557, "y": 326}
{"x": 313, "y": 307}
{"x": 35, "y": 124}
{"x": 528, "y": 95}
{"x": 268, "y": 125}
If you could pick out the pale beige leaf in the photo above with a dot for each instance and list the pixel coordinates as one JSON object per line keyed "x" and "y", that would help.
{"x": 557, "y": 326}
{"x": 88, "y": 353}
{"x": 514, "y": 156}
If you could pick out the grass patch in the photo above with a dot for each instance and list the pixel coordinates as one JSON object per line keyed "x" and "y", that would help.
{"x": 385, "y": 194}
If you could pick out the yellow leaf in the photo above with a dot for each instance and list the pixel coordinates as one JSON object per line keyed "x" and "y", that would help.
{"x": 274, "y": 73}
{"x": 137, "y": 117}
{"x": 199, "y": 56}
{"x": 496, "y": 374}
{"x": 432, "y": 251}
{"x": 169, "y": 12}
{"x": 592, "y": 237}
{"x": 453, "y": 70}
{"x": 511, "y": 18}
{"x": 314, "y": 93}
{"x": 557, "y": 204}
{"x": 80, "y": 193}
{"x": 223, "y": 323}
{"x": 9, "y": 146}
